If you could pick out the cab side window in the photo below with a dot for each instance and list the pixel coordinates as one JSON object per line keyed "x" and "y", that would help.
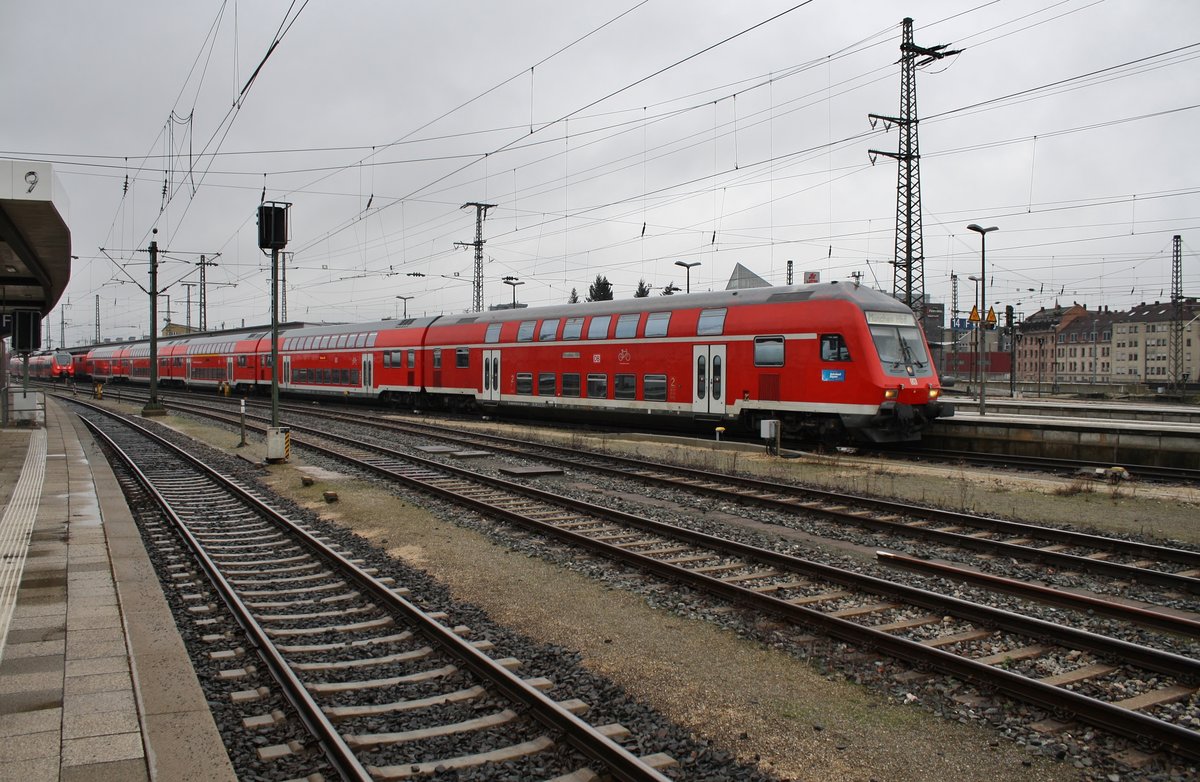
{"x": 833, "y": 348}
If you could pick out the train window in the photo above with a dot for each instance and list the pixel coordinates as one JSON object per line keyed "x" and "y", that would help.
{"x": 462, "y": 357}
{"x": 573, "y": 328}
{"x": 656, "y": 324}
{"x": 654, "y": 388}
{"x": 701, "y": 376}
{"x": 548, "y": 330}
{"x": 524, "y": 382}
{"x": 525, "y": 332}
{"x": 360, "y": 340}
{"x": 627, "y": 326}
{"x": 493, "y": 333}
{"x": 716, "y": 378}
{"x": 371, "y": 339}
{"x": 387, "y": 360}
{"x": 342, "y": 339}
{"x": 834, "y": 348}
{"x": 241, "y": 361}
{"x": 712, "y": 323}
{"x": 625, "y": 386}
{"x": 437, "y": 358}
{"x": 547, "y": 384}
{"x": 487, "y": 372}
{"x": 308, "y": 343}
{"x": 597, "y": 386}
{"x": 412, "y": 358}
{"x": 598, "y": 328}
{"x": 397, "y": 358}
{"x": 570, "y": 384}
{"x": 768, "y": 351}
{"x": 355, "y": 378}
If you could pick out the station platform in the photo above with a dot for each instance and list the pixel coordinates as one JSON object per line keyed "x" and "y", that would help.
{"x": 1070, "y": 434}
{"x": 95, "y": 682}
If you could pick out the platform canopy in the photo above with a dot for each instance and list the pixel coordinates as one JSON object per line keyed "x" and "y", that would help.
{"x": 35, "y": 242}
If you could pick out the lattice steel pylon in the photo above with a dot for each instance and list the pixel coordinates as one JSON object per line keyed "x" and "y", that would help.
{"x": 1177, "y": 314}
{"x": 477, "y": 285}
{"x": 909, "y": 275}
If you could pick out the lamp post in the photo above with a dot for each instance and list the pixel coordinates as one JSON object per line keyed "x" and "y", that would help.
{"x": 1041, "y": 362}
{"x": 983, "y": 232}
{"x": 977, "y": 338}
{"x": 688, "y": 267}
{"x": 514, "y": 282}
{"x": 405, "y": 300}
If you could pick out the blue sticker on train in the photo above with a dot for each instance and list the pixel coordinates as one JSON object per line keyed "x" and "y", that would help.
{"x": 833, "y": 375}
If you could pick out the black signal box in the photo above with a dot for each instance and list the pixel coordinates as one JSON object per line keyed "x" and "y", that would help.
{"x": 26, "y": 331}
{"x": 272, "y": 226}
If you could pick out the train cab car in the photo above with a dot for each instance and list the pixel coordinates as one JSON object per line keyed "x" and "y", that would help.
{"x": 832, "y": 362}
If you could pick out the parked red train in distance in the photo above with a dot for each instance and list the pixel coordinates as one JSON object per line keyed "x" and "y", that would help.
{"x": 56, "y": 365}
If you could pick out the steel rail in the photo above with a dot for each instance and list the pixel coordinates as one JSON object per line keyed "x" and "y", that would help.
{"x": 309, "y": 711}
{"x": 583, "y": 736}
{"x": 753, "y": 489}
{"x": 1120, "y": 720}
{"x": 1157, "y": 619}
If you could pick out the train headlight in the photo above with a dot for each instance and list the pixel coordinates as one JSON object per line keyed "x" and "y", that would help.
{"x": 934, "y": 393}
{"x": 891, "y": 393}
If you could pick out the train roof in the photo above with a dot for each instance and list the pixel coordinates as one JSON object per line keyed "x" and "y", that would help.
{"x": 865, "y": 298}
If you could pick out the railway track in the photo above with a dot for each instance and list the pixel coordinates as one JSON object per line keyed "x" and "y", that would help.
{"x": 1068, "y": 467}
{"x": 1059, "y": 669}
{"x": 1127, "y": 562}
{"x": 381, "y": 686}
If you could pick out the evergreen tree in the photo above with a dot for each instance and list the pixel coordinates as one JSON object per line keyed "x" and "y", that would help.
{"x": 643, "y": 290}
{"x": 574, "y": 298}
{"x": 600, "y": 290}
{"x": 670, "y": 289}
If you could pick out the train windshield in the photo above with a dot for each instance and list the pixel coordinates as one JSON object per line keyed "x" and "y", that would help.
{"x": 899, "y": 344}
{"x": 63, "y": 357}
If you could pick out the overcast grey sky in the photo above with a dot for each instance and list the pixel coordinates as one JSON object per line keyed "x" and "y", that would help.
{"x": 611, "y": 142}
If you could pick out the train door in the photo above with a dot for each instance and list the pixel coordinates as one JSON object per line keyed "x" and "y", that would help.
{"x": 708, "y": 386}
{"x": 229, "y": 370}
{"x": 286, "y": 377}
{"x": 368, "y": 364}
{"x": 491, "y": 375}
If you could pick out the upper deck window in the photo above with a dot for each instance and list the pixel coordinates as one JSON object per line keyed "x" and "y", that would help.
{"x": 656, "y": 324}
{"x": 598, "y": 328}
{"x": 712, "y": 323}
{"x": 525, "y": 333}
{"x": 573, "y": 328}
{"x": 627, "y": 326}
{"x": 493, "y": 333}
{"x": 548, "y": 330}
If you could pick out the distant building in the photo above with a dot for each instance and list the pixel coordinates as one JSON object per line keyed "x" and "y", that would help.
{"x": 1080, "y": 346}
{"x": 176, "y": 330}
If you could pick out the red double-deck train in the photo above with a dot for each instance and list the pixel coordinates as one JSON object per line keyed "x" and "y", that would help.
{"x": 834, "y": 361}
